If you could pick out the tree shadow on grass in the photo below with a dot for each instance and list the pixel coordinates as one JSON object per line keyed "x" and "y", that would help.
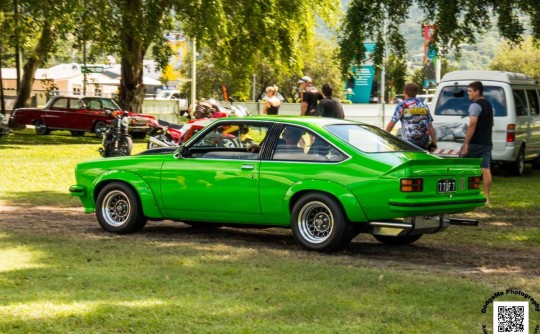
{"x": 30, "y": 199}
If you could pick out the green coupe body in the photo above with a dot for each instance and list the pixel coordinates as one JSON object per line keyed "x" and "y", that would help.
{"x": 327, "y": 179}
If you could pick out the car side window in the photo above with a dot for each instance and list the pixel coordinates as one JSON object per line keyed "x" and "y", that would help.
{"x": 232, "y": 140}
{"x": 61, "y": 103}
{"x": 75, "y": 104}
{"x": 534, "y": 106}
{"x": 297, "y": 144}
{"x": 94, "y": 105}
{"x": 520, "y": 102}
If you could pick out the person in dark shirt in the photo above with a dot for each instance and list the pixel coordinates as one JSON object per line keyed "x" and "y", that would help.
{"x": 329, "y": 106}
{"x": 478, "y": 139}
{"x": 310, "y": 97}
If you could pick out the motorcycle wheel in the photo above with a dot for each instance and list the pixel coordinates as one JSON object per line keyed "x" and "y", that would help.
{"x": 124, "y": 147}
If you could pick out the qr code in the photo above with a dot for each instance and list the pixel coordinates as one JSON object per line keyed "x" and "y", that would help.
{"x": 511, "y": 317}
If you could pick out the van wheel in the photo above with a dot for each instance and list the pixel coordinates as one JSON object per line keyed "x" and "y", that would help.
{"x": 517, "y": 167}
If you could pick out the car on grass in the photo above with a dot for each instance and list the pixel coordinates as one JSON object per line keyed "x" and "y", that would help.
{"x": 78, "y": 115}
{"x": 326, "y": 179}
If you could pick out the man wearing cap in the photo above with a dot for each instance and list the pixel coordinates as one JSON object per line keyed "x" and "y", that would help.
{"x": 310, "y": 96}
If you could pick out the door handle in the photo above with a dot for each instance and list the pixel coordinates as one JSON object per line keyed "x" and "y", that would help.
{"x": 246, "y": 166}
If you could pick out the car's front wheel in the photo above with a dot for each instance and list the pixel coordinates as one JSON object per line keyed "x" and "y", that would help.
{"x": 397, "y": 240}
{"x": 118, "y": 209}
{"x": 319, "y": 223}
{"x": 41, "y": 127}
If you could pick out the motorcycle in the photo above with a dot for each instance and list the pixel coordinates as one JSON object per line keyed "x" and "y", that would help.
{"x": 4, "y": 129}
{"x": 163, "y": 134}
{"x": 116, "y": 139}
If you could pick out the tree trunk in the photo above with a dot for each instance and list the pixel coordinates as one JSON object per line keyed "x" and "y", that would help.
{"x": 133, "y": 50}
{"x": 41, "y": 50}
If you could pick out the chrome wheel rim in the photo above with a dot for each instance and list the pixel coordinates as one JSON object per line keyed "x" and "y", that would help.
{"x": 315, "y": 222}
{"x": 116, "y": 208}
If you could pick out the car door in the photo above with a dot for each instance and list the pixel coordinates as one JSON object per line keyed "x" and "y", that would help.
{"x": 54, "y": 116}
{"x": 218, "y": 175}
{"x": 74, "y": 116}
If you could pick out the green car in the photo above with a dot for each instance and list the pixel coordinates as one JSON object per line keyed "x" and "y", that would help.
{"x": 326, "y": 179}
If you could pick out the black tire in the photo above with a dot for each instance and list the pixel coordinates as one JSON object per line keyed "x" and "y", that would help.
{"x": 41, "y": 128}
{"x": 517, "y": 167}
{"x": 118, "y": 209}
{"x": 319, "y": 223}
{"x": 125, "y": 145}
{"x": 536, "y": 162}
{"x": 77, "y": 133}
{"x": 99, "y": 128}
{"x": 397, "y": 240}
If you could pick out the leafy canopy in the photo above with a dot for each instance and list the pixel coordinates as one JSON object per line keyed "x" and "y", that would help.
{"x": 457, "y": 22}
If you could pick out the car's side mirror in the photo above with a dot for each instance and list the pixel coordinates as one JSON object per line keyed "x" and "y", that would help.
{"x": 183, "y": 152}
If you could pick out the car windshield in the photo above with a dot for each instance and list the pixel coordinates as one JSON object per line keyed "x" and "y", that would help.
{"x": 370, "y": 139}
{"x": 100, "y": 103}
{"x": 454, "y": 101}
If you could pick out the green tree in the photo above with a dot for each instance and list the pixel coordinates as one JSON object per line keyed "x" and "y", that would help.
{"x": 36, "y": 26}
{"x": 457, "y": 22}
{"x": 523, "y": 59}
{"x": 240, "y": 35}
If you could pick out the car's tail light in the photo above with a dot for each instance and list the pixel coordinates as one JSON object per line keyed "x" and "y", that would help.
{"x": 412, "y": 185}
{"x": 510, "y": 133}
{"x": 474, "y": 182}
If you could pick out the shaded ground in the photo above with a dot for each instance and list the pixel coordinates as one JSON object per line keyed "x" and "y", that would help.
{"x": 433, "y": 253}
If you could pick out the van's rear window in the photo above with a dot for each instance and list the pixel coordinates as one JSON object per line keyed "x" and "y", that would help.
{"x": 453, "y": 101}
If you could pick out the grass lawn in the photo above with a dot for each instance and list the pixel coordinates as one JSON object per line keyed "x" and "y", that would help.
{"x": 60, "y": 273}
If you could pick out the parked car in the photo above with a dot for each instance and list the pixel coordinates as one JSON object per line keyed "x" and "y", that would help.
{"x": 78, "y": 115}
{"x": 516, "y": 130}
{"x": 171, "y": 95}
{"x": 326, "y": 179}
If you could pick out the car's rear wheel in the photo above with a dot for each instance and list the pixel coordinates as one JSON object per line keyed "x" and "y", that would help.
{"x": 118, "y": 209}
{"x": 100, "y": 128}
{"x": 397, "y": 240}
{"x": 41, "y": 127}
{"x": 319, "y": 223}
{"x": 536, "y": 162}
{"x": 77, "y": 133}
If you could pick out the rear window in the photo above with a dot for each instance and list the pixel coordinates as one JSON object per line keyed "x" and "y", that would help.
{"x": 370, "y": 139}
{"x": 454, "y": 101}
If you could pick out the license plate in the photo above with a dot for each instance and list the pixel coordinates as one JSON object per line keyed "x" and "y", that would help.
{"x": 446, "y": 186}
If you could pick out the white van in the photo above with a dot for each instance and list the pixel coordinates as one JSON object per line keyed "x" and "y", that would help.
{"x": 516, "y": 130}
